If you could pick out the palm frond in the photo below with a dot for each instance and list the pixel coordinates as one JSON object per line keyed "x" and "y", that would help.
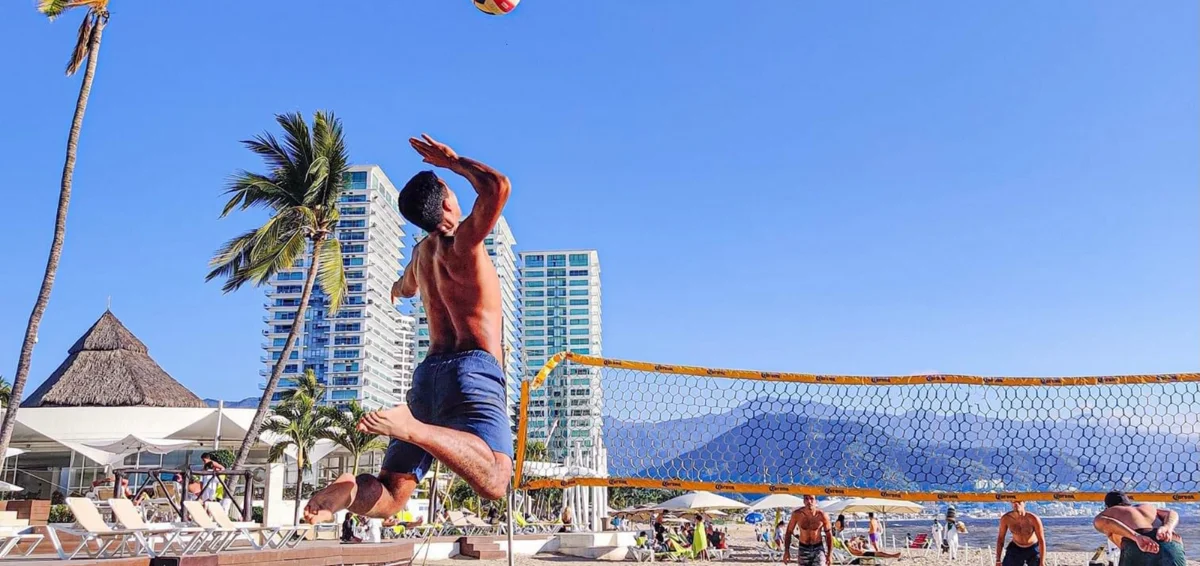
{"x": 252, "y": 189}
{"x": 307, "y": 386}
{"x": 278, "y": 244}
{"x": 52, "y": 8}
{"x": 331, "y": 274}
{"x": 298, "y": 140}
{"x": 231, "y": 261}
{"x": 278, "y": 451}
{"x": 330, "y": 143}
{"x": 87, "y": 29}
{"x": 282, "y": 164}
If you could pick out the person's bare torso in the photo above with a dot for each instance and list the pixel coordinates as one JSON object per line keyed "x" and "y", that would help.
{"x": 461, "y": 294}
{"x": 1022, "y": 528}
{"x": 809, "y": 525}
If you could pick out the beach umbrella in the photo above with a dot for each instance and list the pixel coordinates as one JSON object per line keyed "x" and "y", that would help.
{"x": 871, "y": 505}
{"x": 698, "y": 500}
{"x": 777, "y": 501}
{"x": 754, "y": 518}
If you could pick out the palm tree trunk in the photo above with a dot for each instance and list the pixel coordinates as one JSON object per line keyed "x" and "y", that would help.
{"x": 299, "y": 485}
{"x": 60, "y": 233}
{"x": 264, "y": 404}
{"x": 354, "y": 468}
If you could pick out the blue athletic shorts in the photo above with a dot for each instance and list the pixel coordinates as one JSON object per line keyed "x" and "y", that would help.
{"x": 462, "y": 391}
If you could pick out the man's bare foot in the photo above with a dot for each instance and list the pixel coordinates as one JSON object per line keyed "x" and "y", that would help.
{"x": 335, "y": 497}
{"x": 396, "y": 422}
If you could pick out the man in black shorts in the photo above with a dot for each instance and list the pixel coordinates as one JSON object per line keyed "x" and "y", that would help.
{"x": 1028, "y": 546}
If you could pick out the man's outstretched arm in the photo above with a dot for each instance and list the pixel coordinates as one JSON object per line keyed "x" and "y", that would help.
{"x": 491, "y": 186}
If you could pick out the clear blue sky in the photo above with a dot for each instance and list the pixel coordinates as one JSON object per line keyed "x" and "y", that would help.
{"x": 879, "y": 188}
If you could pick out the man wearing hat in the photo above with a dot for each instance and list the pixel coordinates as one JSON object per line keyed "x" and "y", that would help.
{"x": 1130, "y": 526}
{"x": 953, "y": 529}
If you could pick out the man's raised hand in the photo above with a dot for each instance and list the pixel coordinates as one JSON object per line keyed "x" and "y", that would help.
{"x": 434, "y": 152}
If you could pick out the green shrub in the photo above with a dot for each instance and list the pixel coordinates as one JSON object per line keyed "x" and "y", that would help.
{"x": 61, "y": 514}
{"x": 224, "y": 457}
{"x": 256, "y": 514}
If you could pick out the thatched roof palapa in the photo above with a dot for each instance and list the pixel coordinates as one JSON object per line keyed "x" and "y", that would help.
{"x": 109, "y": 367}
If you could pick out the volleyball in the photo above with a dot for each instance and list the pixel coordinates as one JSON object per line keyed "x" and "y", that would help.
{"x": 496, "y": 7}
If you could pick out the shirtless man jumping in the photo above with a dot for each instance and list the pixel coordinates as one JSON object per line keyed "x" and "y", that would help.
{"x": 1131, "y": 527}
{"x": 813, "y": 523}
{"x": 1028, "y": 546}
{"x": 456, "y": 409}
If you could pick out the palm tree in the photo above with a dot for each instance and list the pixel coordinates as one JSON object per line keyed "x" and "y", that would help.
{"x": 87, "y": 47}
{"x": 5, "y": 392}
{"x": 307, "y": 385}
{"x": 300, "y": 425}
{"x": 343, "y": 430}
{"x": 301, "y": 189}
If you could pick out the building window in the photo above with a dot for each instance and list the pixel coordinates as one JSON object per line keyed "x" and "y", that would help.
{"x": 579, "y": 260}
{"x": 579, "y": 292}
{"x": 557, "y": 260}
{"x": 535, "y": 293}
{"x": 579, "y": 341}
{"x": 577, "y": 312}
{"x": 535, "y": 274}
{"x": 556, "y": 273}
{"x": 535, "y": 303}
{"x": 579, "y": 302}
{"x": 579, "y": 322}
{"x": 343, "y": 394}
{"x": 579, "y": 273}
{"x": 347, "y": 327}
{"x": 533, "y": 322}
{"x": 360, "y": 223}
{"x": 538, "y": 312}
{"x": 557, "y": 302}
{"x": 346, "y": 341}
{"x": 286, "y": 289}
{"x": 579, "y": 331}
{"x": 527, "y": 343}
{"x": 535, "y": 284}
{"x": 355, "y": 288}
{"x": 285, "y": 316}
{"x": 352, "y": 198}
{"x": 579, "y": 283}
{"x": 535, "y": 261}
{"x": 353, "y": 210}
{"x": 348, "y": 261}
{"x": 354, "y": 275}
{"x": 346, "y": 353}
{"x": 349, "y": 314}
{"x": 354, "y": 249}
{"x": 352, "y": 236}
{"x": 535, "y": 332}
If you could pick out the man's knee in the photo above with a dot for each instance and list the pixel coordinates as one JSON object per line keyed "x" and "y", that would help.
{"x": 495, "y": 487}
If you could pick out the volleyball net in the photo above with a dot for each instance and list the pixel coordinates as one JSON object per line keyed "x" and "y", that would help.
{"x": 588, "y": 421}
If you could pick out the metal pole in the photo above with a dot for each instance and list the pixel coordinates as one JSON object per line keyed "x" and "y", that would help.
{"x": 220, "y": 416}
{"x": 511, "y": 555}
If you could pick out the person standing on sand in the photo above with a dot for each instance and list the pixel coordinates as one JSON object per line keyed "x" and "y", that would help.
{"x": 813, "y": 523}
{"x": 873, "y": 531}
{"x": 1130, "y": 526}
{"x": 1028, "y": 546}
{"x": 953, "y": 529}
{"x": 456, "y": 410}
{"x": 935, "y": 533}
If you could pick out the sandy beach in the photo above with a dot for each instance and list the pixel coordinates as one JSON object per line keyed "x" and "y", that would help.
{"x": 744, "y": 552}
{"x": 748, "y": 557}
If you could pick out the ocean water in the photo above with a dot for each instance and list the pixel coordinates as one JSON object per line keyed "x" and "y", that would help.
{"x": 1068, "y": 534}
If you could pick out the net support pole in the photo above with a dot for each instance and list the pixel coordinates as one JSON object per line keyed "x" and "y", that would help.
{"x": 512, "y": 560}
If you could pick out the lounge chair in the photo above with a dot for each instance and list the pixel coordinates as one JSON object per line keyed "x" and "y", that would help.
{"x": 96, "y": 538}
{"x": 14, "y": 531}
{"x": 188, "y": 540}
{"x": 257, "y": 536}
{"x": 922, "y": 541}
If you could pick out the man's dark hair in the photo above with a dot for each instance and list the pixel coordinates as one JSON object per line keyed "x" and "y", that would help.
{"x": 421, "y": 201}
{"x": 870, "y": 515}
{"x": 1115, "y": 498}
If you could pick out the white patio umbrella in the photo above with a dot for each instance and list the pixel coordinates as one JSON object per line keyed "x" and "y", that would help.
{"x": 134, "y": 444}
{"x": 10, "y": 452}
{"x": 5, "y": 486}
{"x": 777, "y": 501}
{"x": 699, "y": 500}
{"x": 871, "y": 505}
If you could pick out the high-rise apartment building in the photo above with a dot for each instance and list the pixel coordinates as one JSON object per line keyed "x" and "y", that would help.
{"x": 358, "y": 353}
{"x": 561, "y": 292}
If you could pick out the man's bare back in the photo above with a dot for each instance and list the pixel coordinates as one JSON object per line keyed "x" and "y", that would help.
{"x": 461, "y": 294}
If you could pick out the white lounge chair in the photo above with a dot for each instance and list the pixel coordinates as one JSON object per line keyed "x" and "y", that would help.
{"x": 96, "y": 538}
{"x": 254, "y": 534}
{"x": 188, "y": 540}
